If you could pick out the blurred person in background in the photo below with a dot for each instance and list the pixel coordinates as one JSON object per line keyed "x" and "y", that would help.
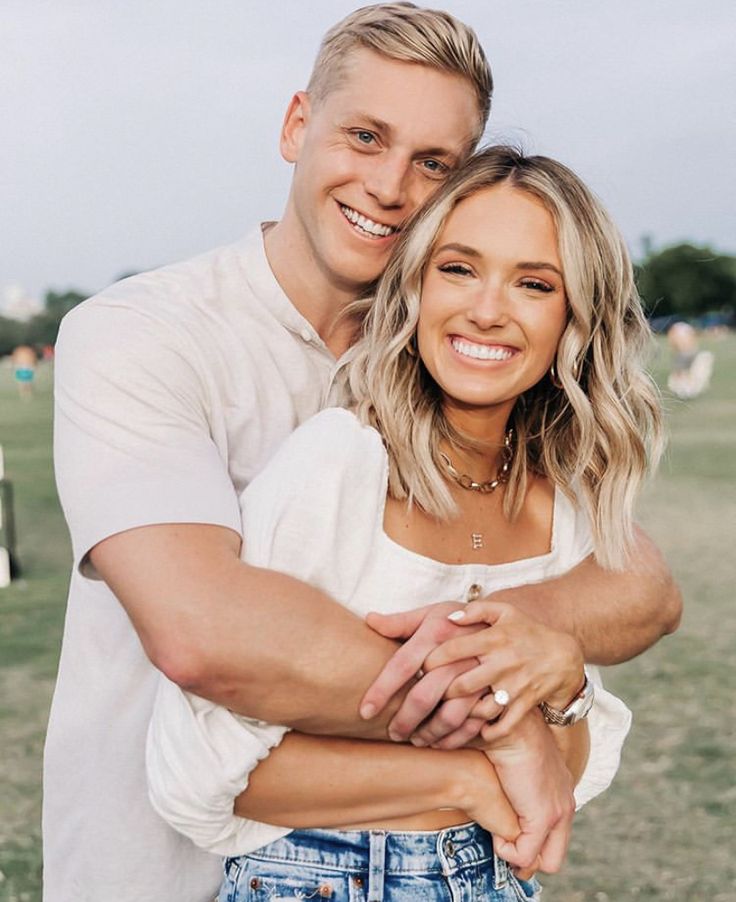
{"x": 691, "y": 368}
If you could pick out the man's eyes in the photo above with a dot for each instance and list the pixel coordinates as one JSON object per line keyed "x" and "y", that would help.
{"x": 364, "y": 137}
{"x": 435, "y": 168}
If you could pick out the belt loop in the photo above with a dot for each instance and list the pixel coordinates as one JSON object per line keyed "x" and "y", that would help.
{"x": 376, "y": 866}
{"x": 500, "y": 872}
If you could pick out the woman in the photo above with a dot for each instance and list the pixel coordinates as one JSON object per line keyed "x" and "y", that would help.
{"x": 501, "y": 426}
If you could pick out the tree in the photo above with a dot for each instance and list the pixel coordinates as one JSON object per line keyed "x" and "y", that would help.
{"x": 687, "y": 281}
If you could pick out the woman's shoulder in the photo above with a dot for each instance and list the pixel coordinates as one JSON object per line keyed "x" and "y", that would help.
{"x": 333, "y": 440}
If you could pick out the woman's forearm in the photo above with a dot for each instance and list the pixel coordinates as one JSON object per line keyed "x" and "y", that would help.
{"x": 312, "y": 781}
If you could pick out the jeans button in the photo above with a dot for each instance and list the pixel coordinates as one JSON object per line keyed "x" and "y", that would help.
{"x": 450, "y": 848}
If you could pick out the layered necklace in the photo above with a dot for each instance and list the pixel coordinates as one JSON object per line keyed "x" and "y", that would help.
{"x": 485, "y": 488}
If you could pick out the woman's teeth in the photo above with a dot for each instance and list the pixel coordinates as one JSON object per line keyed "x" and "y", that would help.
{"x": 481, "y": 352}
{"x": 367, "y": 226}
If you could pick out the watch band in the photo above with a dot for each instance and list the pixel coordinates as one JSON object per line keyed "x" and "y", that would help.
{"x": 578, "y": 708}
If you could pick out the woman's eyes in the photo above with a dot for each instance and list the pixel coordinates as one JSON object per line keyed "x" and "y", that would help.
{"x": 456, "y": 269}
{"x": 537, "y": 285}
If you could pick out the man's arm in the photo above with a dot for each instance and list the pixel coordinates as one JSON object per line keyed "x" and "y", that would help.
{"x": 614, "y": 615}
{"x": 256, "y": 641}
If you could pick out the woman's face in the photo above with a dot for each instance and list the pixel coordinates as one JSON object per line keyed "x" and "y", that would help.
{"x": 493, "y": 303}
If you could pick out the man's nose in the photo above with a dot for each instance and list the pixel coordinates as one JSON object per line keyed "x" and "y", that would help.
{"x": 387, "y": 180}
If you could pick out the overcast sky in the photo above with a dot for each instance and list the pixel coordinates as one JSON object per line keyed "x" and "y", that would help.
{"x": 140, "y": 132}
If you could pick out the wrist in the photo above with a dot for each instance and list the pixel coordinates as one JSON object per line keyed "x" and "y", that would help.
{"x": 470, "y": 768}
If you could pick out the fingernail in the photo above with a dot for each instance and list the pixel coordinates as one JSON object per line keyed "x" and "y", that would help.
{"x": 367, "y": 711}
{"x": 456, "y": 615}
{"x": 394, "y": 736}
{"x": 417, "y": 742}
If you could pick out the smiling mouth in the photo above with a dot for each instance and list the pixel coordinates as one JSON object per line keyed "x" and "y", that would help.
{"x": 365, "y": 226}
{"x": 481, "y": 351}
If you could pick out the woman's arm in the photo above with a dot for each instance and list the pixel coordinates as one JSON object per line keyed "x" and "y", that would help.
{"x": 313, "y": 781}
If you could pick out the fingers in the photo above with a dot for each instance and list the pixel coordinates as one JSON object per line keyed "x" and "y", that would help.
{"x": 396, "y": 626}
{"x": 461, "y": 737}
{"x": 554, "y": 850}
{"x": 468, "y": 645}
{"x": 420, "y": 701}
{"x": 426, "y": 627}
{"x": 448, "y": 718}
{"x": 482, "y": 611}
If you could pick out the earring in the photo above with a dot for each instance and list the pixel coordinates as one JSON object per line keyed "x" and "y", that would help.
{"x": 553, "y": 377}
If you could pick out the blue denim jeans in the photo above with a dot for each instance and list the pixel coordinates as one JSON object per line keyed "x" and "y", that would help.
{"x": 453, "y": 865}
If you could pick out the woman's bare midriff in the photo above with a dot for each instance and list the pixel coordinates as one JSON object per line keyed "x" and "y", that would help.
{"x": 430, "y": 820}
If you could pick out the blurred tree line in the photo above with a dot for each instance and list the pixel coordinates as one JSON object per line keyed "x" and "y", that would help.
{"x": 40, "y": 329}
{"x": 686, "y": 280}
{"x": 683, "y": 280}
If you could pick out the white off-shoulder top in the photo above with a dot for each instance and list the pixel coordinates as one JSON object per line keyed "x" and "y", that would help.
{"x": 316, "y": 512}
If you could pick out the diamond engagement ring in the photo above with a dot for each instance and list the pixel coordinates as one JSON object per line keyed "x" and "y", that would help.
{"x": 501, "y": 697}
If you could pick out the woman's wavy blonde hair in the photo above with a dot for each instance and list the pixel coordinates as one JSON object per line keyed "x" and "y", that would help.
{"x": 599, "y": 431}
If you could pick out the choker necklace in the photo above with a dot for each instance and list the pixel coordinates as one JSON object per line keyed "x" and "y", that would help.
{"x": 467, "y": 482}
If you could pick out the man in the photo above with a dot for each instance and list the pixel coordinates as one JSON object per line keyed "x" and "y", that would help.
{"x": 175, "y": 387}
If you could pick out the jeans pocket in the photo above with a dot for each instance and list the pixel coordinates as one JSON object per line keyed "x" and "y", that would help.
{"x": 269, "y": 881}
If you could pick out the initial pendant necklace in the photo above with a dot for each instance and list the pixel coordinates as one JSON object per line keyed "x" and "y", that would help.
{"x": 485, "y": 488}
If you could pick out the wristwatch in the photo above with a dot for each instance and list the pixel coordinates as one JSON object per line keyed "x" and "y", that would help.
{"x": 578, "y": 708}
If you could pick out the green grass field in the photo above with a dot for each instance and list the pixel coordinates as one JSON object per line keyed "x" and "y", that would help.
{"x": 664, "y": 831}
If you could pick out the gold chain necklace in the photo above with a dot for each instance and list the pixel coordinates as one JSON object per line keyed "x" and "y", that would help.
{"x": 467, "y": 482}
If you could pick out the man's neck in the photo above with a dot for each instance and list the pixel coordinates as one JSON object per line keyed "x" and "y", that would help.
{"x": 315, "y": 296}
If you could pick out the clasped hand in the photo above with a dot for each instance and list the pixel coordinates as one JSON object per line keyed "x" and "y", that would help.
{"x": 491, "y": 645}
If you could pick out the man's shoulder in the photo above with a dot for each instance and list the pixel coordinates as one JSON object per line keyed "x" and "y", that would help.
{"x": 207, "y": 279}
{"x": 186, "y": 299}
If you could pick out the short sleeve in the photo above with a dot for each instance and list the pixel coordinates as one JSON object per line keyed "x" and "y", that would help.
{"x": 609, "y": 722}
{"x": 132, "y": 440}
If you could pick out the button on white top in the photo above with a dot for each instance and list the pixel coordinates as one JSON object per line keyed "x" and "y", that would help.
{"x": 307, "y": 335}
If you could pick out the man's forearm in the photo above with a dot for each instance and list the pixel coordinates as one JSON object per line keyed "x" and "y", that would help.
{"x": 614, "y": 615}
{"x": 258, "y": 642}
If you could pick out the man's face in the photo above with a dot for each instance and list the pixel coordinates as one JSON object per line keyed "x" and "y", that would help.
{"x": 367, "y": 156}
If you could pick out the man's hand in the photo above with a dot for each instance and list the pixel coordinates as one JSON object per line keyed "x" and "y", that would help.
{"x": 530, "y": 661}
{"x": 424, "y": 629}
{"x": 539, "y": 787}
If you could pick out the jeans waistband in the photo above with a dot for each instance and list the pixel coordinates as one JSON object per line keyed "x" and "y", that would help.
{"x": 391, "y": 852}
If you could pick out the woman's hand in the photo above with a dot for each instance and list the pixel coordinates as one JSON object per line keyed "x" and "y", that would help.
{"x": 539, "y": 786}
{"x": 423, "y": 629}
{"x": 530, "y": 661}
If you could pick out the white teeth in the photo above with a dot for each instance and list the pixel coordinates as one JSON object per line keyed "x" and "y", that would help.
{"x": 481, "y": 352}
{"x": 374, "y": 229}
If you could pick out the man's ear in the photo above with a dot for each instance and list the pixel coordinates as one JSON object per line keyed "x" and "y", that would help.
{"x": 294, "y": 127}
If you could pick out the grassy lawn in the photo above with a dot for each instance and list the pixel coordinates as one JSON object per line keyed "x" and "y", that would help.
{"x": 664, "y": 831}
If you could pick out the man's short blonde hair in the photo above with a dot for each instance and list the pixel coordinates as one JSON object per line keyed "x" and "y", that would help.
{"x": 408, "y": 33}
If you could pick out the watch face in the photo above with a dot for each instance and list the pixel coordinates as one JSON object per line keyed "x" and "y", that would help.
{"x": 583, "y": 703}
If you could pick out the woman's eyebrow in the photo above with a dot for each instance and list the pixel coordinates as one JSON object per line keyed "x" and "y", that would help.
{"x": 459, "y": 249}
{"x": 538, "y": 265}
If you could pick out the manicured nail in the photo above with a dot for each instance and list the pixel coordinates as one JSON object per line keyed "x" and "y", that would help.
{"x": 456, "y": 615}
{"x": 367, "y": 711}
{"x": 418, "y": 742}
{"x": 394, "y": 736}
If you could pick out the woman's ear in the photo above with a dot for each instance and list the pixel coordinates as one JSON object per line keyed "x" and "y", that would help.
{"x": 294, "y": 127}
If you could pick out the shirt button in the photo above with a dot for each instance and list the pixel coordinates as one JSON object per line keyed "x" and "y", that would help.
{"x": 474, "y": 592}
{"x": 307, "y": 335}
